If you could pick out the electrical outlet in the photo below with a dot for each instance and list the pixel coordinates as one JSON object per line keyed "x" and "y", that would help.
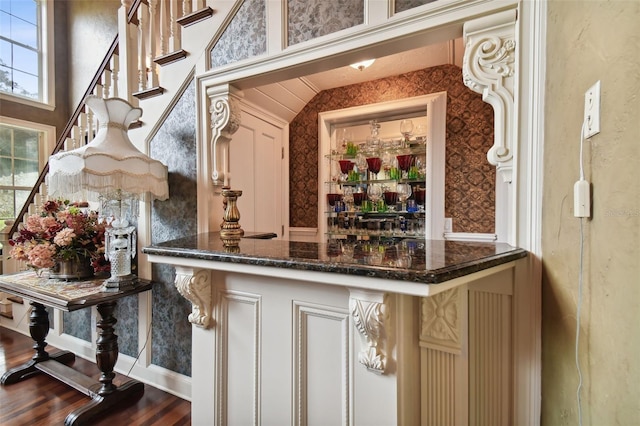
{"x": 592, "y": 110}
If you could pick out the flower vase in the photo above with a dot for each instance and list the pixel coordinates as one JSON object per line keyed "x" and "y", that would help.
{"x": 72, "y": 269}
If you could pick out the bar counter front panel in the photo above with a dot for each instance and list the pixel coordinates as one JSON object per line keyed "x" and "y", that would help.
{"x": 353, "y": 333}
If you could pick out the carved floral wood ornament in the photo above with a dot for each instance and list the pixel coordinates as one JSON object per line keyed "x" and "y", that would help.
{"x": 369, "y": 313}
{"x": 441, "y": 320}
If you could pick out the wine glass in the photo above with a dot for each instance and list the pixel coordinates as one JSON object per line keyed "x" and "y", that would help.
{"x": 345, "y": 137}
{"x": 404, "y": 192}
{"x": 374, "y": 164}
{"x": 404, "y": 163}
{"x": 390, "y": 199}
{"x": 421, "y": 133}
{"x": 333, "y": 199}
{"x": 419, "y": 196}
{"x": 374, "y": 193}
{"x": 345, "y": 167}
{"x": 347, "y": 197}
{"x": 361, "y": 163}
{"x": 358, "y": 198}
{"x": 406, "y": 128}
{"x": 387, "y": 161}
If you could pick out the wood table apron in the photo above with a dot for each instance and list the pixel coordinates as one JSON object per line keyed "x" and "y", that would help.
{"x": 71, "y": 296}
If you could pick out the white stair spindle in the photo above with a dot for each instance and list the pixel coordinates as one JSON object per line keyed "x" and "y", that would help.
{"x": 84, "y": 131}
{"x": 154, "y": 28}
{"x": 115, "y": 68}
{"x": 163, "y": 27}
{"x": 44, "y": 191}
{"x": 106, "y": 82}
{"x": 186, "y": 7}
{"x": 175, "y": 41}
{"x": 91, "y": 129}
{"x": 142, "y": 46}
{"x": 75, "y": 137}
{"x": 127, "y": 63}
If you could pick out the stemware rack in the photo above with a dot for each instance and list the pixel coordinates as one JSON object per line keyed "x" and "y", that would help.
{"x": 347, "y": 221}
{"x": 375, "y": 130}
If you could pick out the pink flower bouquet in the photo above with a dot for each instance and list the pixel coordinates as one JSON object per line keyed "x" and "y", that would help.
{"x": 62, "y": 231}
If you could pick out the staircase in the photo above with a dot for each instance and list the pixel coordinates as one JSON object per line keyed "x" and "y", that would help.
{"x": 152, "y": 58}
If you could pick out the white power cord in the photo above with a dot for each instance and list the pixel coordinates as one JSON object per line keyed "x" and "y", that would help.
{"x": 142, "y": 349}
{"x": 580, "y": 278}
{"x": 578, "y": 323}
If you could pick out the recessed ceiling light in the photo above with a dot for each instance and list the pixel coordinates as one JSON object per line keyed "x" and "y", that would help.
{"x": 362, "y": 65}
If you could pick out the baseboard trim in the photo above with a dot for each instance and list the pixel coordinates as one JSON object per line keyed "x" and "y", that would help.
{"x": 469, "y": 236}
{"x": 303, "y": 234}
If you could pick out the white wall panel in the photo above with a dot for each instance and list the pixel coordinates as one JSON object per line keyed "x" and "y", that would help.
{"x": 238, "y": 358}
{"x": 321, "y": 365}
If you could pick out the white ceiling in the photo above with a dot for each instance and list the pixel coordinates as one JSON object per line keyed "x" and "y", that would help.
{"x": 286, "y": 99}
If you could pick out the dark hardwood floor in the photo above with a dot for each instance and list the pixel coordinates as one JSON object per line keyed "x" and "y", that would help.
{"x": 41, "y": 400}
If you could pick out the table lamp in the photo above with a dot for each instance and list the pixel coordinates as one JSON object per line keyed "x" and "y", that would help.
{"x": 111, "y": 170}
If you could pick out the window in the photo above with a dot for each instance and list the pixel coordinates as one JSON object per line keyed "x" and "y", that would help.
{"x": 25, "y": 65}
{"x": 23, "y": 152}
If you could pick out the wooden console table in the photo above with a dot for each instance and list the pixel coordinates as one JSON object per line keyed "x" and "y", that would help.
{"x": 71, "y": 296}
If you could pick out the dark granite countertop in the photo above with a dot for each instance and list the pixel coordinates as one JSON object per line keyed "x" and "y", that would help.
{"x": 417, "y": 261}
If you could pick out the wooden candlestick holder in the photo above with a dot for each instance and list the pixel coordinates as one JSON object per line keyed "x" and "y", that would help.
{"x": 230, "y": 230}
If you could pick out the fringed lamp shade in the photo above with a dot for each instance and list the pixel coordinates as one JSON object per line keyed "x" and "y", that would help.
{"x": 110, "y": 162}
{"x": 110, "y": 169}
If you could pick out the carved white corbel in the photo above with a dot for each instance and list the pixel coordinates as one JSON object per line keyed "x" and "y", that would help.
{"x": 488, "y": 68}
{"x": 195, "y": 286}
{"x": 369, "y": 313}
{"x": 225, "y": 121}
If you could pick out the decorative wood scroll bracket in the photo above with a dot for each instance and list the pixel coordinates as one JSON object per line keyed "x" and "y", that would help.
{"x": 195, "y": 286}
{"x": 488, "y": 68}
{"x": 225, "y": 121}
{"x": 369, "y": 313}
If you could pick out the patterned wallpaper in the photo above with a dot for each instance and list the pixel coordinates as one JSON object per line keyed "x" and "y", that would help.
{"x": 175, "y": 146}
{"x": 470, "y": 179}
{"x": 250, "y": 22}
{"x": 78, "y": 324}
{"x": 308, "y": 19}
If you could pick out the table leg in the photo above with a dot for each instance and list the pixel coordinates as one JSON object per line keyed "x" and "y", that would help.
{"x": 108, "y": 395}
{"x": 38, "y": 328}
{"x": 107, "y": 347}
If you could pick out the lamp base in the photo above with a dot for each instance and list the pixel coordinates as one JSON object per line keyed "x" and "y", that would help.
{"x": 117, "y": 283}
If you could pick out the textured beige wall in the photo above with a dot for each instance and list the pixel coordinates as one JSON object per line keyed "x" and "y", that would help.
{"x": 589, "y": 41}
{"x": 92, "y": 27}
